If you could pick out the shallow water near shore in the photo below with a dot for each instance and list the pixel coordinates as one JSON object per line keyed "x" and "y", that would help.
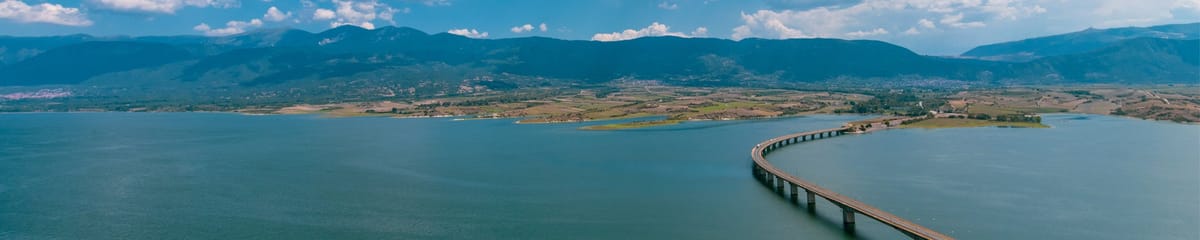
{"x": 210, "y": 175}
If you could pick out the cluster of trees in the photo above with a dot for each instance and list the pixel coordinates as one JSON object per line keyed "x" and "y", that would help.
{"x": 1008, "y": 117}
{"x": 903, "y": 104}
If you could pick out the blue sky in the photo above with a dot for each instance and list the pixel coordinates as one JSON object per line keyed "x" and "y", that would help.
{"x": 937, "y": 27}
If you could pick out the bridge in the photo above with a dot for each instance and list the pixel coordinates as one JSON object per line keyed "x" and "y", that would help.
{"x": 771, "y": 176}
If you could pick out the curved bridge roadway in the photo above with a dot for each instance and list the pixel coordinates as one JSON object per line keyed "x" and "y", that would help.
{"x": 772, "y": 176}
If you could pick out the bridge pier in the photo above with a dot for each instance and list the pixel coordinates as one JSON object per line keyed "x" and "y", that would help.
{"x": 848, "y": 217}
{"x": 770, "y": 180}
{"x": 757, "y": 172}
{"x": 779, "y": 184}
{"x": 795, "y": 194}
{"x": 812, "y": 198}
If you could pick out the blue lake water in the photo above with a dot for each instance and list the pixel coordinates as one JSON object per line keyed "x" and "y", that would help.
{"x": 205, "y": 175}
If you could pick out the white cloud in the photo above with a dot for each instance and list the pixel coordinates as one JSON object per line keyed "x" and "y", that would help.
{"x": 785, "y": 24}
{"x": 808, "y": 4}
{"x": 323, "y": 14}
{"x": 1116, "y": 13}
{"x": 654, "y": 30}
{"x": 1004, "y": 9}
{"x": 231, "y": 27}
{"x": 358, "y": 13}
{"x": 471, "y": 33}
{"x": 162, "y": 6}
{"x": 273, "y": 14}
{"x": 528, "y": 28}
{"x": 42, "y": 13}
{"x": 700, "y": 32}
{"x": 925, "y": 23}
{"x": 862, "y": 34}
{"x": 434, "y": 3}
{"x": 522, "y": 28}
{"x": 668, "y": 5}
{"x": 956, "y": 21}
{"x": 953, "y": 26}
{"x": 870, "y": 14}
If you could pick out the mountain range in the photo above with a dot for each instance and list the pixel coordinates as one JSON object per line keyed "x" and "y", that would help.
{"x": 1084, "y": 41}
{"x": 405, "y": 59}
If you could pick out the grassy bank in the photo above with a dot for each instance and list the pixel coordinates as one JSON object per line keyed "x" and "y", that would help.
{"x": 632, "y": 125}
{"x": 967, "y": 123}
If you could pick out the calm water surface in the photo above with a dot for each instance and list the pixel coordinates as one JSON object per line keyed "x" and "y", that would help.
{"x": 198, "y": 175}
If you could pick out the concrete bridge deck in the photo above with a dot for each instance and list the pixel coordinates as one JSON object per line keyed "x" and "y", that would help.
{"x": 768, "y": 174}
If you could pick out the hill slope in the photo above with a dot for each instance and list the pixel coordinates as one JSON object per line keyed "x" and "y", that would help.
{"x": 395, "y": 59}
{"x": 1134, "y": 61}
{"x": 1078, "y": 42}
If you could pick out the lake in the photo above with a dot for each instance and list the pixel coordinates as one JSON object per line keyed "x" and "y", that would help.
{"x": 212, "y": 175}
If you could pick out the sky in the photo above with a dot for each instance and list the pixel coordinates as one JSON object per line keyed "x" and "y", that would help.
{"x": 932, "y": 27}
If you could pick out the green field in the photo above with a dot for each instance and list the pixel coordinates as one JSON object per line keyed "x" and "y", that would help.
{"x": 728, "y": 106}
{"x": 967, "y": 123}
{"x": 632, "y": 125}
{"x": 990, "y": 110}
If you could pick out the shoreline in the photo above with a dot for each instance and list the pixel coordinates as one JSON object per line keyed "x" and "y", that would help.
{"x": 325, "y": 115}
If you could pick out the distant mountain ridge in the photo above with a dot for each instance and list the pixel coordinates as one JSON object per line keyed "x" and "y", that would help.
{"x": 1078, "y": 42}
{"x": 393, "y": 59}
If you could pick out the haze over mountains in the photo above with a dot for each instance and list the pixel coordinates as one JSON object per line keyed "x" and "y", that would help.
{"x": 399, "y": 58}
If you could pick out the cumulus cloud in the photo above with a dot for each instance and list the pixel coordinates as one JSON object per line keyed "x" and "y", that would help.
{"x": 834, "y": 18}
{"x": 162, "y": 6}
{"x": 17, "y": 10}
{"x": 925, "y": 23}
{"x": 700, "y": 32}
{"x": 952, "y": 26}
{"x": 434, "y": 3}
{"x": 471, "y": 33}
{"x": 529, "y": 28}
{"x": 231, "y": 27}
{"x": 323, "y": 14}
{"x": 273, "y": 14}
{"x": 808, "y": 4}
{"x": 1116, "y": 13}
{"x": 861, "y": 34}
{"x": 357, "y": 13}
{"x": 654, "y": 30}
{"x": 668, "y": 5}
{"x": 956, "y": 21}
{"x": 522, "y": 28}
